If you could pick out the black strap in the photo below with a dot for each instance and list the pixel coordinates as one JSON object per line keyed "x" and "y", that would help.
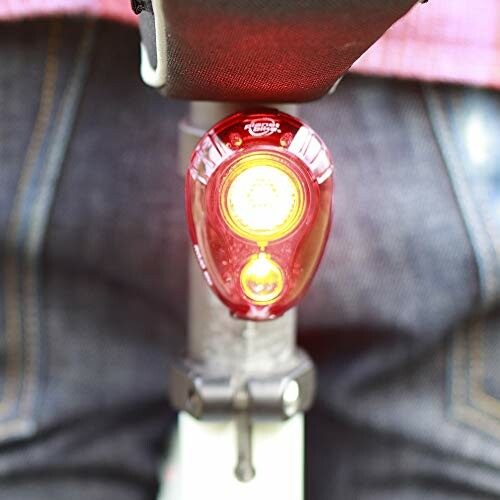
{"x": 258, "y": 50}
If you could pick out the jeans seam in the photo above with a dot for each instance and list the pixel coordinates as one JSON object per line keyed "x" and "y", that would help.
{"x": 469, "y": 401}
{"x": 47, "y": 188}
{"x": 479, "y": 397}
{"x": 38, "y": 218}
{"x": 474, "y": 223}
{"x": 13, "y": 319}
{"x": 461, "y": 409}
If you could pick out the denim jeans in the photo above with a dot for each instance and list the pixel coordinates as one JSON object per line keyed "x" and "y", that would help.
{"x": 403, "y": 318}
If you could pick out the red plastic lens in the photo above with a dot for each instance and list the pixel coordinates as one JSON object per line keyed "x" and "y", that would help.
{"x": 259, "y": 202}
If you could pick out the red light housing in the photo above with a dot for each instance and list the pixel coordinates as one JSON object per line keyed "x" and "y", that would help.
{"x": 259, "y": 203}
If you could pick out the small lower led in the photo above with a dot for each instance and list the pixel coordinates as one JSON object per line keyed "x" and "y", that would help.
{"x": 262, "y": 279}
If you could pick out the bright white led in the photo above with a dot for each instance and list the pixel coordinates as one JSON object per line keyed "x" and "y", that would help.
{"x": 263, "y": 201}
{"x": 262, "y": 198}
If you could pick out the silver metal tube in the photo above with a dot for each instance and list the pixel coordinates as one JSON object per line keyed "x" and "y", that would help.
{"x": 237, "y": 371}
{"x": 216, "y": 339}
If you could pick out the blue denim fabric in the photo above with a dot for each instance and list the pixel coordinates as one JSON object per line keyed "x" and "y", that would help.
{"x": 409, "y": 377}
{"x": 402, "y": 318}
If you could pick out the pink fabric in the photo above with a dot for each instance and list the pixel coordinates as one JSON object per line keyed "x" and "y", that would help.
{"x": 443, "y": 40}
{"x": 449, "y": 41}
{"x": 112, "y": 9}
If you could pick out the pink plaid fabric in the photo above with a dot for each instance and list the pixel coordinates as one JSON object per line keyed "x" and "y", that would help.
{"x": 454, "y": 41}
{"x": 449, "y": 41}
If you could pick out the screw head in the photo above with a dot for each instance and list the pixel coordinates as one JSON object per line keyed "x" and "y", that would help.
{"x": 291, "y": 398}
{"x": 194, "y": 403}
{"x": 244, "y": 471}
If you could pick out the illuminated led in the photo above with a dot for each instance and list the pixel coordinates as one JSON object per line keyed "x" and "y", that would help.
{"x": 262, "y": 279}
{"x": 236, "y": 140}
{"x": 258, "y": 194}
{"x": 263, "y": 199}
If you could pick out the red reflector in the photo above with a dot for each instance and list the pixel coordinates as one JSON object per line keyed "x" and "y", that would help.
{"x": 259, "y": 202}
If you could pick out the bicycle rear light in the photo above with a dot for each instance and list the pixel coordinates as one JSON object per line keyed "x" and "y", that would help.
{"x": 259, "y": 201}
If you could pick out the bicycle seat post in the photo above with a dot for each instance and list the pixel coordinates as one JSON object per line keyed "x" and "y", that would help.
{"x": 242, "y": 388}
